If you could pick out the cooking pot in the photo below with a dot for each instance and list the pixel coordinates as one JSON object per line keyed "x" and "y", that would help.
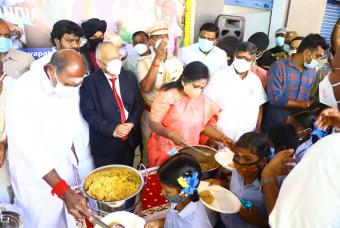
{"x": 206, "y": 174}
{"x": 127, "y": 204}
{"x": 10, "y": 219}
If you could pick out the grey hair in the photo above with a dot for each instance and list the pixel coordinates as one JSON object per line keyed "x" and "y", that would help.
{"x": 100, "y": 46}
{"x": 246, "y": 47}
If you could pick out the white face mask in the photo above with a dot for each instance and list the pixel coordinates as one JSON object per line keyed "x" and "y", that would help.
{"x": 114, "y": 67}
{"x": 66, "y": 91}
{"x": 326, "y": 93}
{"x": 241, "y": 65}
{"x": 140, "y": 48}
{"x": 123, "y": 53}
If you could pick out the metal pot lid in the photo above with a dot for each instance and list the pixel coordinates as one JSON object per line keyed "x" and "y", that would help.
{"x": 10, "y": 219}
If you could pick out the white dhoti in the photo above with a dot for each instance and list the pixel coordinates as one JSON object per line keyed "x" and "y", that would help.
{"x": 40, "y": 208}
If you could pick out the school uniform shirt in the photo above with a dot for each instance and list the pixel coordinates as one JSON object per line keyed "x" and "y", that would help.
{"x": 193, "y": 215}
{"x": 215, "y": 60}
{"x": 16, "y": 63}
{"x": 251, "y": 192}
{"x": 240, "y": 100}
{"x": 309, "y": 196}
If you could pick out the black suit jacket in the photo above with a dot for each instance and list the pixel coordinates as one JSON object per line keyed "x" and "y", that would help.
{"x": 100, "y": 109}
{"x": 85, "y": 52}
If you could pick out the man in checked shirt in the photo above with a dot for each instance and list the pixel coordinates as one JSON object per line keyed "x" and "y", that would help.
{"x": 290, "y": 81}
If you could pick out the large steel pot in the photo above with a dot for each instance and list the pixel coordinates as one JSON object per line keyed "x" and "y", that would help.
{"x": 10, "y": 219}
{"x": 128, "y": 204}
{"x": 206, "y": 174}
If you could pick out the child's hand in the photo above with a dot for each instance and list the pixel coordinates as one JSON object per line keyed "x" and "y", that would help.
{"x": 214, "y": 181}
{"x": 250, "y": 216}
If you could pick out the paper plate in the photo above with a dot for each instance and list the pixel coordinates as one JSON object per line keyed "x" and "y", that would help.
{"x": 225, "y": 158}
{"x": 225, "y": 201}
{"x": 127, "y": 219}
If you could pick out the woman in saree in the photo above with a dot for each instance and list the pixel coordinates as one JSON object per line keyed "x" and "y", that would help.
{"x": 180, "y": 113}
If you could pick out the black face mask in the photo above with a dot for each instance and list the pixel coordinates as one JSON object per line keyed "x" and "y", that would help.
{"x": 95, "y": 42}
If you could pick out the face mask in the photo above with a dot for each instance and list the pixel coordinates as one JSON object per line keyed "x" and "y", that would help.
{"x": 140, "y": 48}
{"x": 5, "y": 44}
{"x": 94, "y": 42}
{"x": 123, "y": 53}
{"x": 63, "y": 90}
{"x": 114, "y": 67}
{"x": 286, "y": 48}
{"x": 241, "y": 65}
{"x": 246, "y": 171}
{"x": 158, "y": 42}
{"x": 205, "y": 45}
{"x": 190, "y": 91}
{"x": 292, "y": 52}
{"x": 314, "y": 63}
{"x": 326, "y": 94}
{"x": 279, "y": 41}
{"x": 175, "y": 199}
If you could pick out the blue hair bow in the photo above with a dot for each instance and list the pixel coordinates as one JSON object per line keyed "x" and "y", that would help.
{"x": 271, "y": 153}
{"x": 318, "y": 133}
{"x": 189, "y": 184}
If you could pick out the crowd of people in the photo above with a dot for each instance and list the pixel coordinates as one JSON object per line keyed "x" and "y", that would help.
{"x": 83, "y": 107}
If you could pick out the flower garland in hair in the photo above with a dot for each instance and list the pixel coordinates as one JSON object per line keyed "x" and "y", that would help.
{"x": 189, "y": 184}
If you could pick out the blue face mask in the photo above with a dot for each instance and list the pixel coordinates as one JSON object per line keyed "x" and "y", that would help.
{"x": 286, "y": 48}
{"x": 279, "y": 41}
{"x": 5, "y": 44}
{"x": 205, "y": 45}
{"x": 314, "y": 63}
{"x": 175, "y": 199}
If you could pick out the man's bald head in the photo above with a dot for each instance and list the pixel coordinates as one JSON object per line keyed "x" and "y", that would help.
{"x": 68, "y": 65}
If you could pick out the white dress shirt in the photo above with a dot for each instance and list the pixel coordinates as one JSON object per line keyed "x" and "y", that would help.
{"x": 117, "y": 86}
{"x": 215, "y": 60}
{"x": 310, "y": 194}
{"x": 240, "y": 100}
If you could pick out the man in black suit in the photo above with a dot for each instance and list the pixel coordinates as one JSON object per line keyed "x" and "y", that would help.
{"x": 111, "y": 103}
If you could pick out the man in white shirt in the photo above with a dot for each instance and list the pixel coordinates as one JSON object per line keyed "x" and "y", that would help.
{"x": 309, "y": 195}
{"x": 41, "y": 126}
{"x": 66, "y": 35}
{"x": 205, "y": 50}
{"x": 239, "y": 93}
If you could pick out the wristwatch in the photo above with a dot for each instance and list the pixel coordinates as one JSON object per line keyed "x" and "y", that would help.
{"x": 268, "y": 180}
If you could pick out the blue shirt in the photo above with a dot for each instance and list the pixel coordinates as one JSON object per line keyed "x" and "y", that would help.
{"x": 193, "y": 215}
{"x": 251, "y": 192}
{"x": 286, "y": 82}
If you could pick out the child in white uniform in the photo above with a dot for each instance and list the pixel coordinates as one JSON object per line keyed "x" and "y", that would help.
{"x": 180, "y": 176}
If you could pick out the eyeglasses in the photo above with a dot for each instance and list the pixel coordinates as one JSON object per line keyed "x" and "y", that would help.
{"x": 238, "y": 158}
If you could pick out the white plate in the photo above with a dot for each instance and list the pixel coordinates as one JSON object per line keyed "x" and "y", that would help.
{"x": 127, "y": 219}
{"x": 225, "y": 158}
{"x": 225, "y": 201}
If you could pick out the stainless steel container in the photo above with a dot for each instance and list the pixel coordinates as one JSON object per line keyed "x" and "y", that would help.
{"x": 206, "y": 174}
{"x": 127, "y": 204}
{"x": 10, "y": 219}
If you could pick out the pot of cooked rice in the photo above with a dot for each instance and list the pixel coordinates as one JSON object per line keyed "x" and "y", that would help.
{"x": 207, "y": 162}
{"x": 113, "y": 188}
